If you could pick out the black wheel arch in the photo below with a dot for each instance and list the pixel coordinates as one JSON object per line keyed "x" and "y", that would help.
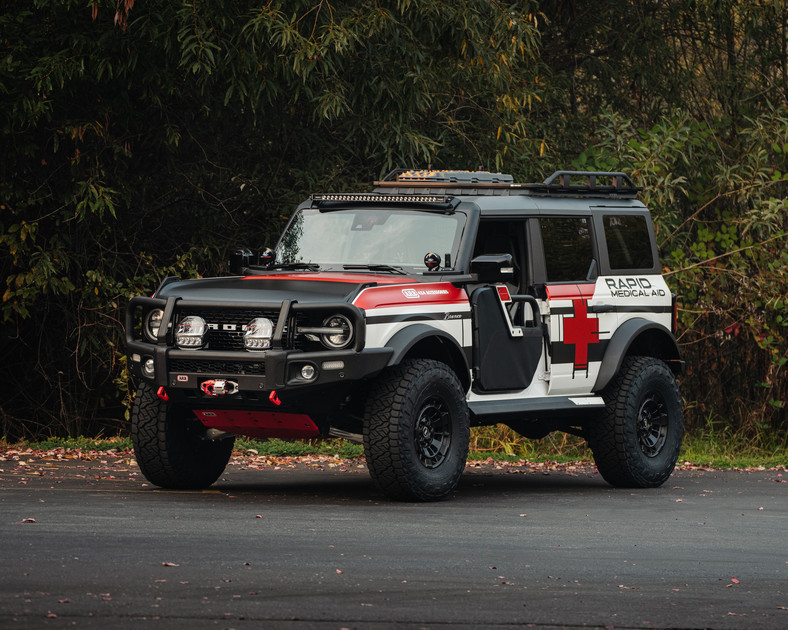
{"x": 419, "y": 341}
{"x": 640, "y": 337}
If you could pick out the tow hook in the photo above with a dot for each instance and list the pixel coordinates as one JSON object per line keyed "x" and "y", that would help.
{"x": 219, "y": 387}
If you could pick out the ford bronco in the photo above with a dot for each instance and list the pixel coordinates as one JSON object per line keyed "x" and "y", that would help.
{"x": 402, "y": 317}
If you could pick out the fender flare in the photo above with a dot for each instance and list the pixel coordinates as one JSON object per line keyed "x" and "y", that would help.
{"x": 623, "y": 339}
{"x": 404, "y": 340}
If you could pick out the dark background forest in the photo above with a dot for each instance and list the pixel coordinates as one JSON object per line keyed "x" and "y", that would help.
{"x": 146, "y": 139}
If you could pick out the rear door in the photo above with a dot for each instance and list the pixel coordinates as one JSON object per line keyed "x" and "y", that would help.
{"x": 582, "y": 316}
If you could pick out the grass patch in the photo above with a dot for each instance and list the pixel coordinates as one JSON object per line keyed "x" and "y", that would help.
{"x": 284, "y": 448}
{"x": 710, "y": 446}
{"x": 728, "y": 449}
{"x": 76, "y": 443}
{"x": 501, "y": 443}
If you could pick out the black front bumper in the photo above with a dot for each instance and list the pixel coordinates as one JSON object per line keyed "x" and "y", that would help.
{"x": 276, "y": 369}
{"x": 184, "y": 372}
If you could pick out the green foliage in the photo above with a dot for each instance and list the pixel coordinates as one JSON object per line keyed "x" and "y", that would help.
{"x": 146, "y": 140}
{"x": 721, "y": 224}
{"x": 141, "y": 140}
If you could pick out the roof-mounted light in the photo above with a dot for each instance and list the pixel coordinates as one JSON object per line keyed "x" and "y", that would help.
{"x": 374, "y": 198}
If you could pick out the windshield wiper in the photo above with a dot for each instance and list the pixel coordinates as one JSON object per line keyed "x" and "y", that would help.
{"x": 388, "y": 268}
{"x": 296, "y": 265}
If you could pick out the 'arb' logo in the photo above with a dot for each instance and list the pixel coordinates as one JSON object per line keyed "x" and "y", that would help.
{"x": 411, "y": 294}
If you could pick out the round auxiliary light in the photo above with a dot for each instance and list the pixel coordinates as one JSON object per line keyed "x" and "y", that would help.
{"x": 308, "y": 372}
{"x": 148, "y": 367}
{"x": 191, "y": 332}
{"x": 343, "y": 335}
{"x": 153, "y": 323}
{"x": 257, "y": 336}
{"x": 432, "y": 261}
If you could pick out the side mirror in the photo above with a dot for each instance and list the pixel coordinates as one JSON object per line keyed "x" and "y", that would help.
{"x": 239, "y": 260}
{"x": 267, "y": 257}
{"x": 493, "y": 268}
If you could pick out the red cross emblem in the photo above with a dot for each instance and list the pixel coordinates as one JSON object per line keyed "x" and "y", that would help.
{"x": 581, "y": 331}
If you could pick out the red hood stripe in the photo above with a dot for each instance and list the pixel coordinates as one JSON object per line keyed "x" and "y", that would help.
{"x": 413, "y": 294}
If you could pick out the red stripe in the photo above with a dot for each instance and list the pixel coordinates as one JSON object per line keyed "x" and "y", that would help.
{"x": 411, "y": 295}
{"x": 570, "y": 291}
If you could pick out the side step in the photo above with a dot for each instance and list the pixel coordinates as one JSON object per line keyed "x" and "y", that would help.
{"x": 524, "y": 408}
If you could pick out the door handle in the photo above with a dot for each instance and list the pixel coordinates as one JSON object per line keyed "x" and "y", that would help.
{"x": 601, "y": 308}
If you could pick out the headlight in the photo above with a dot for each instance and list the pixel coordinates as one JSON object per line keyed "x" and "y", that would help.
{"x": 343, "y": 335}
{"x": 191, "y": 332}
{"x": 153, "y": 323}
{"x": 258, "y": 334}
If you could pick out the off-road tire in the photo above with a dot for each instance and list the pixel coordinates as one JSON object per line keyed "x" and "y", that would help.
{"x": 416, "y": 431}
{"x": 636, "y": 439}
{"x": 170, "y": 446}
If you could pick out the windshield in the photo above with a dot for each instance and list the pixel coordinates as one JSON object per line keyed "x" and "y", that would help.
{"x": 400, "y": 238}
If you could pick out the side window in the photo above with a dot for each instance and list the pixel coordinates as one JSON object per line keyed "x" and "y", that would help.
{"x": 628, "y": 242}
{"x": 502, "y": 237}
{"x": 567, "y": 247}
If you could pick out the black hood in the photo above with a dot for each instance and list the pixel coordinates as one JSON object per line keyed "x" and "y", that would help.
{"x": 302, "y": 288}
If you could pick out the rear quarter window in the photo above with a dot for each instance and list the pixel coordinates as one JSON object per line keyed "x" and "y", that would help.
{"x": 628, "y": 242}
{"x": 567, "y": 246}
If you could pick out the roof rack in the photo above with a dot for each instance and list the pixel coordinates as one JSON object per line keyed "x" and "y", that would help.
{"x": 601, "y": 184}
{"x": 432, "y": 177}
{"x": 565, "y": 183}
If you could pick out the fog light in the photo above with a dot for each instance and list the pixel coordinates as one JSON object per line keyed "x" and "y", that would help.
{"x": 343, "y": 335}
{"x": 258, "y": 334}
{"x": 148, "y": 367}
{"x": 191, "y": 332}
{"x": 308, "y": 372}
{"x": 153, "y": 323}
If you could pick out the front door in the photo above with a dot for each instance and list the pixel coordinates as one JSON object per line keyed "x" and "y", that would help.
{"x": 505, "y": 356}
{"x": 508, "y": 337}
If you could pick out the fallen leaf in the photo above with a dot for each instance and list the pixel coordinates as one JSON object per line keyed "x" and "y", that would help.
{"x": 28, "y": 520}
{"x": 169, "y": 564}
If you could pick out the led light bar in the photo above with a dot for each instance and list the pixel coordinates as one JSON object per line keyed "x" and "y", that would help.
{"x": 376, "y": 198}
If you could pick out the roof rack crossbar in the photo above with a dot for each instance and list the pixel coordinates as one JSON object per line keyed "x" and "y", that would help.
{"x": 620, "y": 181}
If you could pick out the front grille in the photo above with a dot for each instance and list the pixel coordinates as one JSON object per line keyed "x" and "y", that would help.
{"x": 226, "y": 326}
{"x": 200, "y": 366}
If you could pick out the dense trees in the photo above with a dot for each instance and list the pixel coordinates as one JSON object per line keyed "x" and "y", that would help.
{"x": 142, "y": 140}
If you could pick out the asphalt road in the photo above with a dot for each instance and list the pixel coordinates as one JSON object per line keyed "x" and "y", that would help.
{"x": 87, "y": 544}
